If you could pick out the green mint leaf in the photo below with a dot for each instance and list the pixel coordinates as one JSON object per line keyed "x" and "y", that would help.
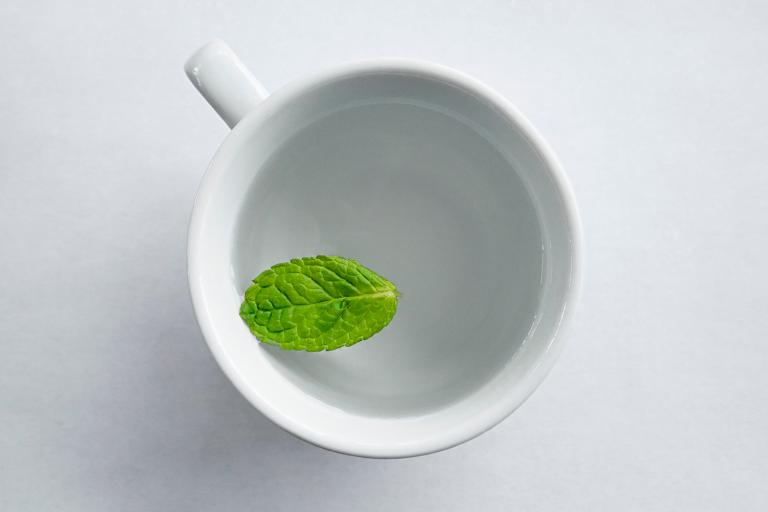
{"x": 320, "y": 303}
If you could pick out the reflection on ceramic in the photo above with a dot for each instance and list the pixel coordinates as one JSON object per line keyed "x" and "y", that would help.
{"x": 423, "y": 174}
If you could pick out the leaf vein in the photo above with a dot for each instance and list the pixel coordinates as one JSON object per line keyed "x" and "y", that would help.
{"x": 335, "y": 299}
{"x": 350, "y": 283}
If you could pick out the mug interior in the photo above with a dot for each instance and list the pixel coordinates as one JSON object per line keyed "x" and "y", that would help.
{"x": 430, "y": 185}
{"x": 420, "y": 197}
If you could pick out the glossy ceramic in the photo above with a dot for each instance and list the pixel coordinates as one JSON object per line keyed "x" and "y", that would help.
{"x": 428, "y": 177}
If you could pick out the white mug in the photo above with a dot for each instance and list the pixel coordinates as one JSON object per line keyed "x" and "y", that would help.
{"x": 426, "y": 176}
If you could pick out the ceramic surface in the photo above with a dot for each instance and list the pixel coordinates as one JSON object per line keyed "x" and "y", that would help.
{"x": 430, "y": 178}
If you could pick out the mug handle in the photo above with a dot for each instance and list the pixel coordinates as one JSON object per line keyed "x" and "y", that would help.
{"x": 224, "y": 81}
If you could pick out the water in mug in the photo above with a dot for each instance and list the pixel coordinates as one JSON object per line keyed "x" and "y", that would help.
{"x": 432, "y": 205}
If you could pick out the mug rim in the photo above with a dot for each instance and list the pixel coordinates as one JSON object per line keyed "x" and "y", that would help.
{"x": 274, "y": 102}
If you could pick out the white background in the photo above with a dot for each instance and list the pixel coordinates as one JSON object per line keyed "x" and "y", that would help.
{"x": 109, "y": 397}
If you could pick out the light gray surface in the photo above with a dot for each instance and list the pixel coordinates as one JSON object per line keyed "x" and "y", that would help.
{"x": 109, "y": 398}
